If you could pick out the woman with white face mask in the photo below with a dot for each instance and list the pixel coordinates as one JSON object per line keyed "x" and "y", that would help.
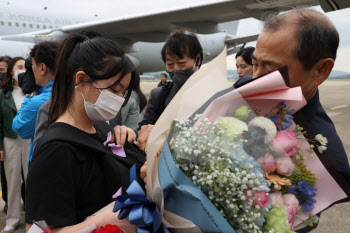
{"x": 71, "y": 176}
{"x": 14, "y": 150}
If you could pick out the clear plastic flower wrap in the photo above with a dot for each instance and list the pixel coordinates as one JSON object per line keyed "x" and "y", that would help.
{"x": 236, "y": 159}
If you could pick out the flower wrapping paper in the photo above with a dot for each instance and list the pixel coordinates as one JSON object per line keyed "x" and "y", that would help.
{"x": 184, "y": 207}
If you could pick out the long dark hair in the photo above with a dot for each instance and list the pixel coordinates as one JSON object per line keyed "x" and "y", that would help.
{"x": 100, "y": 58}
{"x": 6, "y": 84}
{"x": 137, "y": 89}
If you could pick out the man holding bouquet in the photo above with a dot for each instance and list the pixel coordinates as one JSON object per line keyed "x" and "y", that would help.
{"x": 306, "y": 41}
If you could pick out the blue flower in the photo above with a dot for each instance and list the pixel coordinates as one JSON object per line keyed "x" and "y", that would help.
{"x": 273, "y": 118}
{"x": 291, "y": 188}
{"x": 307, "y": 191}
{"x": 282, "y": 105}
{"x": 291, "y": 111}
{"x": 309, "y": 205}
{"x": 288, "y": 118}
{"x": 285, "y": 125}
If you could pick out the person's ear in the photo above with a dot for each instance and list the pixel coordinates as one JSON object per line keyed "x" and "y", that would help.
{"x": 199, "y": 60}
{"x": 323, "y": 69}
{"x": 80, "y": 78}
{"x": 43, "y": 69}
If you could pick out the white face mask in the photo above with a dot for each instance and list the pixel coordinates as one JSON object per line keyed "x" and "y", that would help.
{"x": 17, "y": 72}
{"x": 106, "y": 107}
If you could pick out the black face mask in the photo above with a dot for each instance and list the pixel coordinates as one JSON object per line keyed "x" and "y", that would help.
{"x": 2, "y": 76}
{"x": 179, "y": 77}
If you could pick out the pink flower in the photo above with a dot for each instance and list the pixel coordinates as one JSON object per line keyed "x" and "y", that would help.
{"x": 291, "y": 204}
{"x": 267, "y": 163}
{"x": 260, "y": 197}
{"x": 284, "y": 165}
{"x": 291, "y": 200}
{"x": 276, "y": 198}
{"x": 292, "y": 212}
{"x": 285, "y": 143}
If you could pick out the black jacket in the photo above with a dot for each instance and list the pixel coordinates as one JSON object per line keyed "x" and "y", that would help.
{"x": 73, "y": 175}
{"x": 159, "y": 99}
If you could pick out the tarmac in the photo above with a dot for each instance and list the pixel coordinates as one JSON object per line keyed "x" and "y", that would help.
{"x": 335, "y": 98}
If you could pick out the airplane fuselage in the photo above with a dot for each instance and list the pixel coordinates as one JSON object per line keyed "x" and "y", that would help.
{"x": 146, "y": 56}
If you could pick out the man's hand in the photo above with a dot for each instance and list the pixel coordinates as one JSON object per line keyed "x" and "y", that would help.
{"x": 143, "y": 173}
{"x": 143, "y": 136}
{"x": 1, "y": 155}
{"x": 120, "y": 133}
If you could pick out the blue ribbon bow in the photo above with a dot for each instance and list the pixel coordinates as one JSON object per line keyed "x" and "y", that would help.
{"x": 140, "y": 210}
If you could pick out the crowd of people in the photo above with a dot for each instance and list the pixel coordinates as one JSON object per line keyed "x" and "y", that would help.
{"x": 58, "y": 105}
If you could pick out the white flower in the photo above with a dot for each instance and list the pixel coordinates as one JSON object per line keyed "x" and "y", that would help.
{"x": 267, "y": 125}
{"x": 321, "y": 139}
{"x": 232, "y": 127}
{"x": 321, "y": 148}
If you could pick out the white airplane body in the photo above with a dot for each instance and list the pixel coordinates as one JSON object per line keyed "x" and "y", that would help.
{"x": 142, "y": 34}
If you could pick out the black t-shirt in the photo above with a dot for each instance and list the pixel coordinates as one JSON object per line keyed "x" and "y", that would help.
{"x": 70, "y": 177}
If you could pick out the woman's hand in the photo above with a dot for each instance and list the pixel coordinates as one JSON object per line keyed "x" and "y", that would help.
{"x": 143, "y": 136}
{"x": 143, "y": 173}
{"x": 121, "y": 133}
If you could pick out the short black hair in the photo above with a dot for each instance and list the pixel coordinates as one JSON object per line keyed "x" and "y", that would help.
{"x": 183, "y": 43}
{"x": 45, "y": 52}
{"x": 246, "y": 54}
{"x": 164, "y": 75}
{"x": 317, "y": 37}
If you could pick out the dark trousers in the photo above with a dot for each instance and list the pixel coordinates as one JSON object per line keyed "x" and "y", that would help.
{"x": 3, "y": 181}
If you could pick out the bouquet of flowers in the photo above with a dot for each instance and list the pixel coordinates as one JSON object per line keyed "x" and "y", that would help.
{"x": 236, "y": 160}
{"x": 223, "y": 159}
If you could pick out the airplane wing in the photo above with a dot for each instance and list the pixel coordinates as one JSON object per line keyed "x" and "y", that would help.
{"x": 155, "y": 26}
{"x": 232, "y": 44}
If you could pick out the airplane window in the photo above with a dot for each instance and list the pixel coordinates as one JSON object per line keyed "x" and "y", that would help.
{"x": 24, "y": 25}
{"x": 2, "y": 23}
{"x": 17, "y": 24}
{"x": 31, "y": 25}
{"x": 37, "y": 26}
{"x": 44, "y": 26}
{"x": 10, "y": 24}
